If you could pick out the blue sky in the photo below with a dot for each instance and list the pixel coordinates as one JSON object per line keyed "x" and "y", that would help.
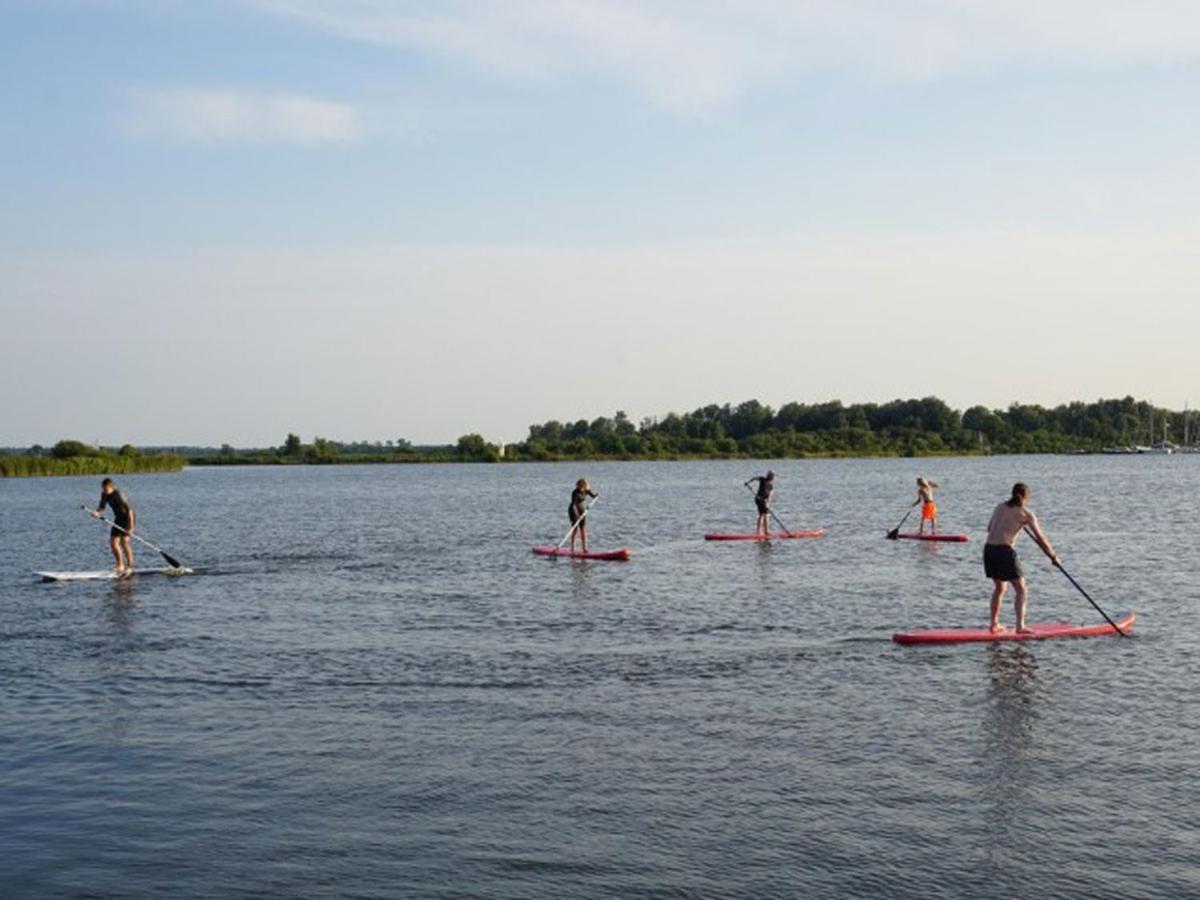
{"x": 375, "y": 218}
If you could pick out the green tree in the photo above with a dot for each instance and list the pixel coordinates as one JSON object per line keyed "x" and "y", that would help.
{"x": 66, "y": 449}
{"x": 473, "y": 448}
{"x": 321, "y": 451}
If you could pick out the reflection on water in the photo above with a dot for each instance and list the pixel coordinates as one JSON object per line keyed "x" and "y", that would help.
{"x": 1009, "y": 743}
{"x": 583, "y": 577}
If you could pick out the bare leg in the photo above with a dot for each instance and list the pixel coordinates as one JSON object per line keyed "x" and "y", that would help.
{"x": 933, "y": 525}
{"x": 127, "y": 546}
{"x": 574, "y": 536}
{"x": 115, "y": 545}
{"x": 583, "y": 536}
{"x": 997, "y": 597}
{"x": 1022, "y": 604}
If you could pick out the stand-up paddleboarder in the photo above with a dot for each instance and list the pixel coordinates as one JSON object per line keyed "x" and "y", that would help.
{"x": 124, "y": 519}
{"x": 928, "y": 507}
{"x": 762, "y": 500}
{"x": 1000, "y": 558}
{"x": 575, "y": 512}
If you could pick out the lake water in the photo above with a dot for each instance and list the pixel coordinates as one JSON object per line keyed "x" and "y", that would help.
{"x": 372, "y": 688}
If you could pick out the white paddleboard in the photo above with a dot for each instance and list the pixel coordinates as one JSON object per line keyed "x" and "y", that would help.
{"x": 109, "y": 574}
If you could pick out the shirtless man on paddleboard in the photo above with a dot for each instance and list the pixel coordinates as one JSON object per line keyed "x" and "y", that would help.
{"x": 1000, "y": 563}
{"x": 123, "y": 518}
{"x": 928, "y": 507}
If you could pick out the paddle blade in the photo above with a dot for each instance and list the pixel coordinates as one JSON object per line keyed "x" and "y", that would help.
{"x": 894, "y": 534}
{"x": 171, "y": 561}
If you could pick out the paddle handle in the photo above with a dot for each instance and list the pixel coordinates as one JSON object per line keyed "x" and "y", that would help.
{"x": 1058, "y": 565}
{"x": 576, "y": 523}
{"x": 171, "y": 561}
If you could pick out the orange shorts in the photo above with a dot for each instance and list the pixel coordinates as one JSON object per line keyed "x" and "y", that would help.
{"x": 929, "y": 511}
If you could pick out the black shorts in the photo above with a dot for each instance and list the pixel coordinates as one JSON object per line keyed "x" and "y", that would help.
{"x": 1000, "y": 563}
{"x": 763, "y": 508}
{"x": 117, "y": 532}
{"x": 575, "y": 515}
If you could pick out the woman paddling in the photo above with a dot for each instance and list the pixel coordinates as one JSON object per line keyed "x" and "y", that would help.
{"x": 928, "y": 507}
{"x": 762, "y": 500}
{"x": 577, "y": 512}
{"x": 1000, "y": 563}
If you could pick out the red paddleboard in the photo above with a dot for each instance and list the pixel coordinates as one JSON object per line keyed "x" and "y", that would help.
{"x": 1040, "y": 632}
{"x": 621, "y": 554}
{"x": 947, "y": 538}
{"x": 770, "y": 536}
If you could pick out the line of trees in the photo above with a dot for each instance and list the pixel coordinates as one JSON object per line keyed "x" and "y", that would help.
{"x": 924, "y": 427}
{"x": 900, "y": 428}
{"x": 322, "y": 451}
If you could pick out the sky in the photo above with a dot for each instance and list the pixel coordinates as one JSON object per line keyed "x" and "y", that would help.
{"x": 227, "y": 220}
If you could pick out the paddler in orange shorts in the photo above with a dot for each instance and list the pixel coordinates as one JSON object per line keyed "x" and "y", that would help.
{"x": 928, "y": 507}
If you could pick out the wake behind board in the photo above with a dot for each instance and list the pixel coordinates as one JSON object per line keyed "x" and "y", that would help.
{"x": 1040, "y": 632}
{"x": 110, "y": 575}
{"x": 769, "y": 536}
{"x": 944, "y": 538}
{"x": 622, "y": 554}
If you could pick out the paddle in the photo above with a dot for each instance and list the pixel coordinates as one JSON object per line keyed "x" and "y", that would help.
{"x": 771, "y": 511}
{"x": 894, "y": 534}
{"x": 1060, "y": 568}
{"x": 576, "y": 523}
{"x": 171, "y": 561}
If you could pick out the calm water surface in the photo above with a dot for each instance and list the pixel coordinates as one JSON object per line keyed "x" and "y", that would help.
{"x": 372, "y": 688}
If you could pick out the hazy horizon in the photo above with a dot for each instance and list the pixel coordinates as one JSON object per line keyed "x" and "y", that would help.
{"x": 366, "y": 220}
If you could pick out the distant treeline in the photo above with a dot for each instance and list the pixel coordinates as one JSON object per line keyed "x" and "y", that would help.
{"x": 322, "y": 451}
{"x": 923, "y": 427}
{"x": 77, "y": 458}
{"x": 926, "y": 427}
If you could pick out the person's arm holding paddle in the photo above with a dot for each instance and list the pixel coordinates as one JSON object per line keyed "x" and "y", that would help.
{"x": 1034, "y": 530}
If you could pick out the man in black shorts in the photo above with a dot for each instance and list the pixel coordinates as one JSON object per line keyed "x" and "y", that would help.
{"x": 123, "y": 518}
{"x": 1000, "y": 564}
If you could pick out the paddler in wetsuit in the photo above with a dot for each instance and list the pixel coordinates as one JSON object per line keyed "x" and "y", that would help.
{"x": 124, "y": 519}
{"x": 1000, "y": 564}
{"x": 762, "y": 500}
{"x": 576, "y": 512}
{"x": 928, "y": 507}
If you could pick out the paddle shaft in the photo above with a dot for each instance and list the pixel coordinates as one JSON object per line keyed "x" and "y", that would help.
{"x": 171, "y": 561}
{"x": 1058, "y": 565}
{"x": 769, "y": 510}
{"x": 579, "y": 521}
{"x": 894, "y": 533}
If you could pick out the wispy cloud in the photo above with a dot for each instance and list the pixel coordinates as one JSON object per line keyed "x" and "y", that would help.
{"x": 696, "y": 56}
{"x": 236, "y": 117}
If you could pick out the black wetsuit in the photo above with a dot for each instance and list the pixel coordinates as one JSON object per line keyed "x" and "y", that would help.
{"x": 575, "y": 510}
{"x": 763, "y": 498}
{"x": 121, "y": 510}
